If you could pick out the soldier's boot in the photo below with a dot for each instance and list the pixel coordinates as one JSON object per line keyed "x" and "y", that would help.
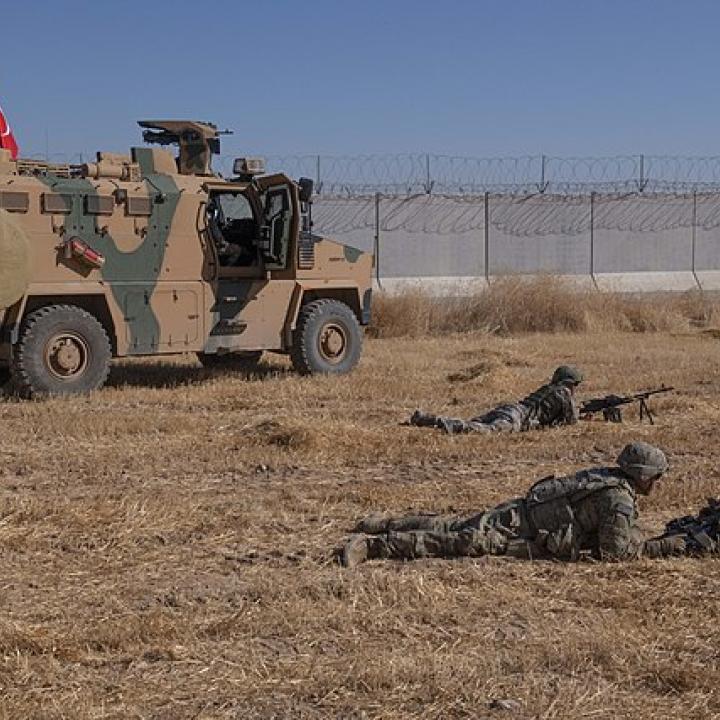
{"x": 421, "y": 419}
{"x": 360, "y": 548}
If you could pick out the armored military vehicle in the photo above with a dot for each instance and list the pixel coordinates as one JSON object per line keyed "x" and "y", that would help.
{"x": 148, "y": 253}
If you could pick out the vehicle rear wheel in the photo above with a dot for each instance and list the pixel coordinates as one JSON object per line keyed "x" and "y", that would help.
{"x": 245, "y": 361}
{"x": 327, "y": 339}
{"x": 62, "y": 350}
{"x": 4, "y": 376}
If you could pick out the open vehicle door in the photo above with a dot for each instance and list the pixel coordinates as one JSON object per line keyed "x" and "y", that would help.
{"x": 279, "y": 221}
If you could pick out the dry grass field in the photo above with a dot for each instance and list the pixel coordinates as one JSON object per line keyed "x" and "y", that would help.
{"x": 167, "y": 542}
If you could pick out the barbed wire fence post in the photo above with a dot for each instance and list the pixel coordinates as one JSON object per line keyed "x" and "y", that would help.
{"x": 376, "y": 247}
{"x": 486, "y": 237}
{"x": 428, "y": 177}
{"x": 592, "y": 240}
{"x": 693, "y": 241}
{"x": 542, "y": 187}
{"x": 642, "y": 181}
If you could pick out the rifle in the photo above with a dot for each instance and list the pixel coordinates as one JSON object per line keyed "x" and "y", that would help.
{"x": 609, "y": 405}
{"x": 701, "y": 532}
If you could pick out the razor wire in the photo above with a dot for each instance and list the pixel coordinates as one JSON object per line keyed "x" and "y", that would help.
{"x": 535, "y": 195}
{"x": 452, "y": 175}
{"x": 410, "y": 174}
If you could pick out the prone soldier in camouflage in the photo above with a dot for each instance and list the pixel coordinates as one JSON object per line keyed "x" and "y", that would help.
{"x": 147, "y": 254}
{"x": 551, "y": 404}
{"x": 593, "y": 511}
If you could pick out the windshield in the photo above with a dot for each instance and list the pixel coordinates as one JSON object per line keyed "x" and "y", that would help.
{"x": 234, "y": 207}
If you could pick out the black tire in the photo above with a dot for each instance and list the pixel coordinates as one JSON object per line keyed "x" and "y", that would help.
{"x": 245, "y": 361}
{"x": 327, "y": 339}
{"x": 4, "y": 376}
{"x": 62, "y": 350}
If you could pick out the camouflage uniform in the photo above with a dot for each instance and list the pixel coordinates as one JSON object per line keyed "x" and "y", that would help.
{"x": 551, "y": 404}
{"x": 592, "y": 511}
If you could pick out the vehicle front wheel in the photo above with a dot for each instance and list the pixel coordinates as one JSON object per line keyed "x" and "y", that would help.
{"x": 327, "y": 339}
{"x": 242, "y": 361}
{"x": 62, "y": 350}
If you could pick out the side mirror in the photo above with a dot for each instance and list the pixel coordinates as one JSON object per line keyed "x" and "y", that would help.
{"x": 305, "y": 186}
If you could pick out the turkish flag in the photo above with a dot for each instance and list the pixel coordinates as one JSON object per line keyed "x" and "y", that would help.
{"x": 7, "y": 139}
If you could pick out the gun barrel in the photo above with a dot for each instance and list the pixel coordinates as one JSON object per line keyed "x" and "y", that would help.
{"x": 613, "y": 400}
{"x": 648, "y": 393}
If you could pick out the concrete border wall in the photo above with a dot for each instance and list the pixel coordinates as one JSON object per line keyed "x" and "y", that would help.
{"x": 632, "y": 242}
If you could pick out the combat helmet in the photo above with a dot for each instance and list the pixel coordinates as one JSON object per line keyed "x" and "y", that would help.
{"x": 642, "y": 461}
{"x": 567, "y": 374}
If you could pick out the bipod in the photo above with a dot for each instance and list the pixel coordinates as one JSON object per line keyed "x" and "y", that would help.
{"x": 645, "y": 411}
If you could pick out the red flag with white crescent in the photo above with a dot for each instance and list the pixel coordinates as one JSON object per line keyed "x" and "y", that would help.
{"x": 7, "y": 139}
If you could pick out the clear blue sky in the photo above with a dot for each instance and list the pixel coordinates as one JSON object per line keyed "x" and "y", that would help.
{"x": 464, "y": 77}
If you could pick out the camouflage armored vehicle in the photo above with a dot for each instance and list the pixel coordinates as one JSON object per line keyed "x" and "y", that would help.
{"x": 148, "y": 253}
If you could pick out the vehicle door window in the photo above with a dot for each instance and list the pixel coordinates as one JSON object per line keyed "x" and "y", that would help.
{"x": 233, "y": 229}
{"x": 277, "y": 226}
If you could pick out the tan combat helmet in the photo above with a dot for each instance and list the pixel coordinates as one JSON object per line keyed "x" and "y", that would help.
{"x": 567, "y": 374}
{"x": 642, "y": 461}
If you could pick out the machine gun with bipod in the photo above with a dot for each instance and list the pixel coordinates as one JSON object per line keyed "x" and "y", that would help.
{"x": 609, "y": 405}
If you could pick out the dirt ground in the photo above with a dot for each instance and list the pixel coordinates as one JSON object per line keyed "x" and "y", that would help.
{"x": 167, "y": 542}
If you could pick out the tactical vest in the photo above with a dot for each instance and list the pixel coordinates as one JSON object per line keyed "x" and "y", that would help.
{"x": 549, "y": 505}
